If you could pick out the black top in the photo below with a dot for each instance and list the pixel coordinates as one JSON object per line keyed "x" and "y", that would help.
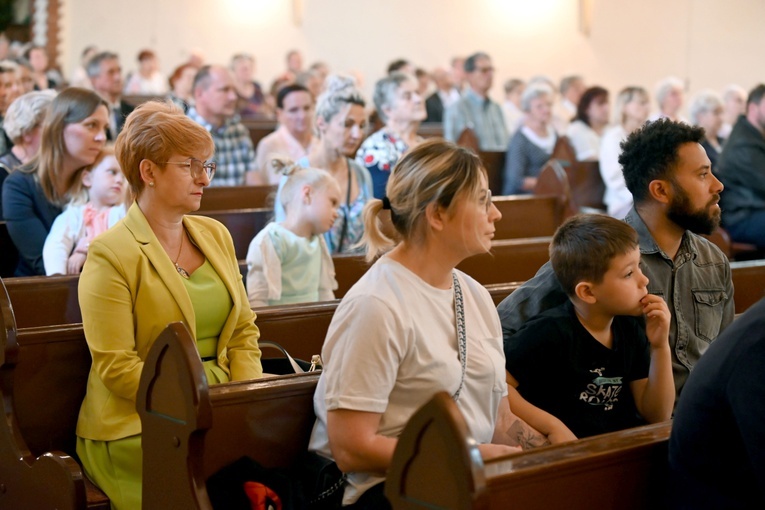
{"x": 717, "y": 444}
{"x": 562, "y": 369}
{"x": 29, "y": 217}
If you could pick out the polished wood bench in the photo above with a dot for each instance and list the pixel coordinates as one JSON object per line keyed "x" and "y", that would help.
{"x": 748, "y": 283}
{"x": 522, "y": 216}
{"x": 437, "y": 465}
{"x": 43, "y": 376}
{"x": 191, "y": 430}
{"x": 243, "y": 224}
{"x": 528, "y": 216}
{"x": 224, "y": 198}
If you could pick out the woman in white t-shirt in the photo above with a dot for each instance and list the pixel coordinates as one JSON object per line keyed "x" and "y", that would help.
{"x": 394, "y": 340}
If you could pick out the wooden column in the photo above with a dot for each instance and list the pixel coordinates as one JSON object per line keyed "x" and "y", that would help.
{"x": 46, "y": 16}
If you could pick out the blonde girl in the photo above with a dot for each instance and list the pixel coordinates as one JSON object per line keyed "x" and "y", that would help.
{"x": 288, "y": 261}
{"x": 98, "y": 203}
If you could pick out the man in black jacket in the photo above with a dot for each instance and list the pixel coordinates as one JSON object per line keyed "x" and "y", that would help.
{"x": 742, "y": 170}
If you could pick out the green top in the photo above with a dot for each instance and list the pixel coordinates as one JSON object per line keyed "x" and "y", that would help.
{"x": 212, "y": 306}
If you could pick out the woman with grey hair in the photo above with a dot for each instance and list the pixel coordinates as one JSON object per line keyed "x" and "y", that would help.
{"x": 707, "y": 113}
{"x": 402, "y": 109}
{"x": 533, "y": 143}
{"x": 670, "y": 97}
{"x": 339, "y": 125}
{"x": 22, "y": 124}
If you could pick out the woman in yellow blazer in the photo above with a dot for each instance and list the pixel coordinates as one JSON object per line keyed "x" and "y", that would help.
{"x": 156, "y": 266}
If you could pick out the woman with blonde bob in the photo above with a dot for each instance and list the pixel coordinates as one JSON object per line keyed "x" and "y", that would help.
{"x": 158, "y": 265}
{"x": 414, "y": 325}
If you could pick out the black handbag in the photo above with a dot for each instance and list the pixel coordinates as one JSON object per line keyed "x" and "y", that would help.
{"x": 286, "y": 364}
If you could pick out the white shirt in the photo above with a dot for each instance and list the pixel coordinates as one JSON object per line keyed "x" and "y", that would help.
{"x": 585, "y": 140}
{"x": 617, "y": 198}
{"x": 67, "y": 229}
{"x": 392, "y": 344}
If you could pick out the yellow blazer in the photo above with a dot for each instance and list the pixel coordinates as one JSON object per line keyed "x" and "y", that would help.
{"x": 129, "y": 291}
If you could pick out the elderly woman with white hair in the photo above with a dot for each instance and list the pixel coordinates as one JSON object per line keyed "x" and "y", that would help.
{"x": 402, "y": 109}
{"x": 670, "y": 96}
{"x": 707, "y": 113}
{"x": 23, "y": 124}
{"x": 339, "y": 125}
{"x": 533, "y": 143}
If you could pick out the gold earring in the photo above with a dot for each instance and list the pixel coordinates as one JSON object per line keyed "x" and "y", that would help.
{"x": 151, "y": 184}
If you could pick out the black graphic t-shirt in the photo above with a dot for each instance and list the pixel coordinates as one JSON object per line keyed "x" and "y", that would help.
{"x": 562, "y": 369}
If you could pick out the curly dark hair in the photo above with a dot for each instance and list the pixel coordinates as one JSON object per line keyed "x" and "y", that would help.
{"x": 651, "y": 152}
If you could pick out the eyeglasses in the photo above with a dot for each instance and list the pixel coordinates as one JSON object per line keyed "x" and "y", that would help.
{"x": 197, "y": 168}
{"x": 487, "y": 198}
{"x": 485, "y": 70}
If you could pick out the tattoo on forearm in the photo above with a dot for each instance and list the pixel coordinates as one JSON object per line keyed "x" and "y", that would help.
{"x": 521, "y": 434}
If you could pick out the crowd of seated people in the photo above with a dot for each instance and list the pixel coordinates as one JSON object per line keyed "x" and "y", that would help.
{"x": 67, "y": 209}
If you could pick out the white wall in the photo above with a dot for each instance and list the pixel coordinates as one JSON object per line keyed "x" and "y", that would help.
{"x": 709, "y": 43}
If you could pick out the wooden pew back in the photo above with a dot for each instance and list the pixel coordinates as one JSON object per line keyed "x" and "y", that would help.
{"x": 243, "y": 224}
{"x": 41, "y": 391}
{"x": 748, "y": 283}
{"x": 224, "y": 198}
{"x": 437, "y": 465}
{"x": 44, "y": 300}
{"x": 190, "y": 430}
{"x": 510, "y": 260}
{"x": 528, "y": 216}
{"x": 259, "y": 129}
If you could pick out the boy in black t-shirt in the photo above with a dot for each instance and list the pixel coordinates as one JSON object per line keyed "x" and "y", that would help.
{"x": 594, "y": 363}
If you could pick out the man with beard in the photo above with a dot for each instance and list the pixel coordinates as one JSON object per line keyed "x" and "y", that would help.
{"x": 675, "y": 199}
{"x": 742, "y": 169}
{"x": 215, "y": 110}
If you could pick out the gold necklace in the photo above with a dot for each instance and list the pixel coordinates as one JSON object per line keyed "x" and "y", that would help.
{"x": 178, "y": 268}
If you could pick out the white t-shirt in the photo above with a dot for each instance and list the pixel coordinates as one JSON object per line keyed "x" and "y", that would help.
{"x": 392, "y": 345}
{"x": 585, "y": 140}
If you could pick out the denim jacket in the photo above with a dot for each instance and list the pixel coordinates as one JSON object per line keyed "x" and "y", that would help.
{"x": 696, "y": 285}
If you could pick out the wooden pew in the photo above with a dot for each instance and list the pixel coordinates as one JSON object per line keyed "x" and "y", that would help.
{"x": 437, "y": 465}
{"x": 43, "y": 374}
{"x": 748, "y": 283}
{"x": 243, "y": 224}
{"x": 191, "y": 430}
{"x": 225, "y": 198}
{"x": 494, "y": 162}
{"x": 528, "y": 216}
{"x": 44, "y": 300}
{"x": 510, "y": 260}
{"x": 259, "y": 129}
{"x": 523, "y": 216}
